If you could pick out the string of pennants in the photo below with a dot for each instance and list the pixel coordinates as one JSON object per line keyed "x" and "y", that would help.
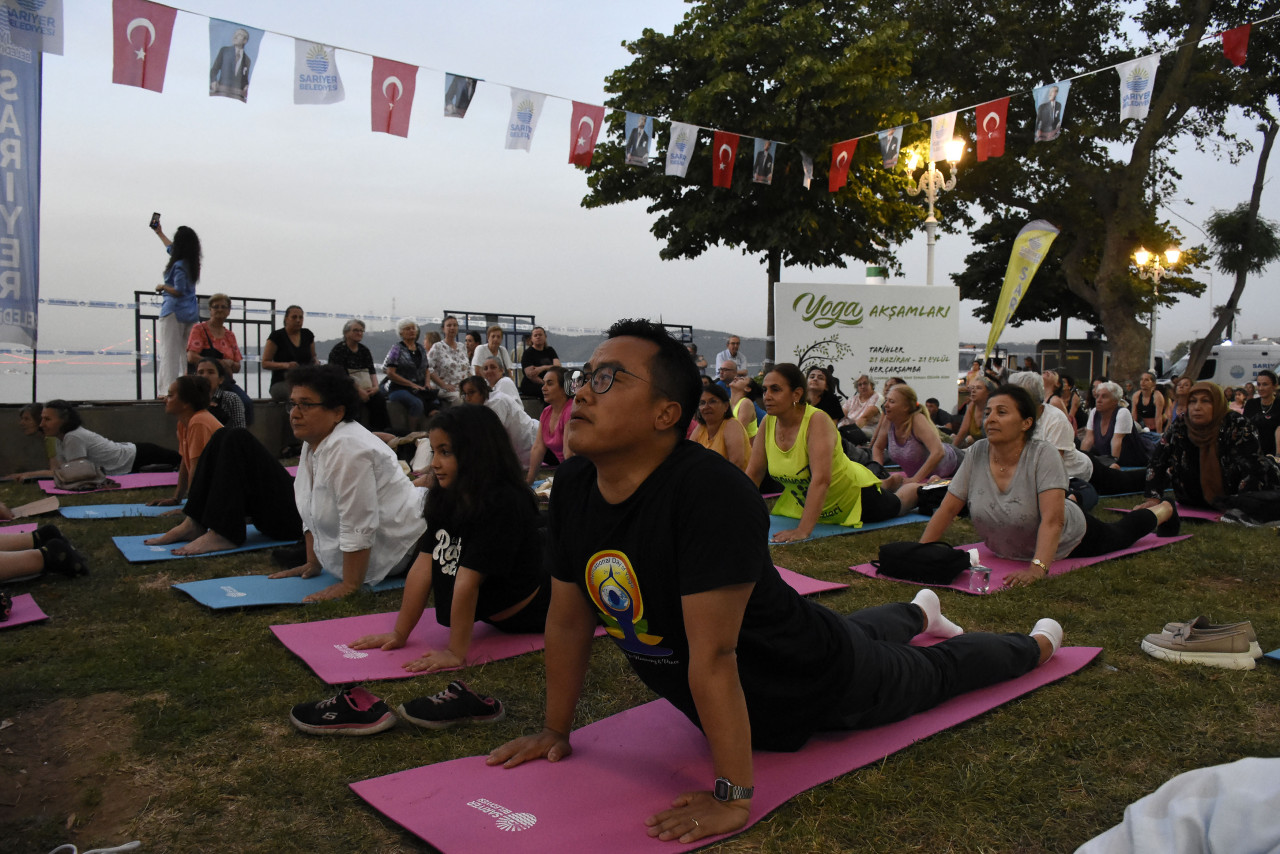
{"x": 142, "y": 32}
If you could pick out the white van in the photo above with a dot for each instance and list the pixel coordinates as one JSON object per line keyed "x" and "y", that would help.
{"x": 1234, "y": 364}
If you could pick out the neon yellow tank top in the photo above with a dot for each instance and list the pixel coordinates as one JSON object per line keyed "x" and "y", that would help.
{"x": 753, "y": 428}
{"x": 843, "y": 505}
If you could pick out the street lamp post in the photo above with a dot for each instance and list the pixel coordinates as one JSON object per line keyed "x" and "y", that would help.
{"x": 1150, "y": 269}
{"x": 932, "y": 185}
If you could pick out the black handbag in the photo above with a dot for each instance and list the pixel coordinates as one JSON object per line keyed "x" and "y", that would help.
{"x": 925, "y": 563}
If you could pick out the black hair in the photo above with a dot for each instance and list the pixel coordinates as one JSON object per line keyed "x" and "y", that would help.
{"x": 32, "y": 409}
{"x": 291, "y": 308}
{"x": 674, "y": 374}
{"x": 475, "y": 334}
{"x": 487, "y": 467}
{"x": 186, "y": 247}
{"x": 1269, "y": 374}
{"x": 932, "y": 400}
{"x": 716, "y": 390}
{"x": 217, "y": 364}
{"x": 477, "y": 382}
{"x": 791, "y": 374}
{"x": 193, "y": 390}
{"x": 67, "y": 412}
{"x": 1021, "y": 399}
{"x": 333, "y": 384}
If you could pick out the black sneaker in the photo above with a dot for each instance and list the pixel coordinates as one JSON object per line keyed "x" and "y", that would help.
{"x": 44, "y": 534}
{"x": 353, "y": 712}
{"x": 456, "y": 704}
{"x": 61, "y": 557}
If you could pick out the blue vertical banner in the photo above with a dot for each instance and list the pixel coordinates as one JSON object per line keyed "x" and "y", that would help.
{"x": 19, "y": 194}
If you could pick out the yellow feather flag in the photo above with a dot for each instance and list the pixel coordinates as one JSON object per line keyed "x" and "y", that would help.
{"x": 1029, "y": 249}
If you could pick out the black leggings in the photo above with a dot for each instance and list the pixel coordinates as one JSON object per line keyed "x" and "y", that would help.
{"x": 1102, "y": 538}
{"x": 148, "y": 454}
{"x": 237, "y": 478}
{"x": 532, "y": 618}
{"x": 1109, "y": 481}
{"x": 878, "y": 505}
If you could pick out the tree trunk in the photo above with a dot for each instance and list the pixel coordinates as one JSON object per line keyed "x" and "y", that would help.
{"x": 1200, "y": 349}
{"x": 774, "y": 267}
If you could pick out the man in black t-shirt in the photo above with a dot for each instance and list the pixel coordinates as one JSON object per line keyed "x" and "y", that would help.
{"x": 705, "y": 620}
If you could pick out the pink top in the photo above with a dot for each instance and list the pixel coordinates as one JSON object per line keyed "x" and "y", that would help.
{"x": 201, "y": 338}
{"x": 553, "y": 435}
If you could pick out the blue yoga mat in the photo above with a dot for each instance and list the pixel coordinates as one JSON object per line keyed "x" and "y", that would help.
{"x": 247, "y": 591}
{"x": 786, "y": 523}
{"x": 113, "y": 511}
{"x": 1274, "y": 654}
{"x": 136, "y": 551}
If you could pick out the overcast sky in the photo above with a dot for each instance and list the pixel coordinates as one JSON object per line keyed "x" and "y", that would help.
{"x": 305, "y": 204}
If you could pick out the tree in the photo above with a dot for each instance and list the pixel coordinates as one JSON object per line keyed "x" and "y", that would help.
{"x": 798, "y": 73}
{"x": 1101, "y": 182}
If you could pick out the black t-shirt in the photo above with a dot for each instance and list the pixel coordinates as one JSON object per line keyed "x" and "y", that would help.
{"x": 342, "y": 356}
{"x": 532, "y": 358}
{"x": 635, "y": 560}
{"x": 1265, "y": 420}
{"x": 506, "y": 549}
{"x": 286, "y": 352}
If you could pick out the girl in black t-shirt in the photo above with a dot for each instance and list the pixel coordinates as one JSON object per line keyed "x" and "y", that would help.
{"x": 482, "y": 553}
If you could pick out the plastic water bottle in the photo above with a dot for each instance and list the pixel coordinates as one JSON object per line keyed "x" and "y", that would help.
{"x": 979, "y": 575}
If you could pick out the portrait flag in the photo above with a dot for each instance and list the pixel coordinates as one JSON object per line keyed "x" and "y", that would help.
{"x": 1051, "y": 105}
{"x": 638, "y": 134}
{"x": 33, "y": 24}
{"x": 1235, "y": 44}
{"x": 391, "y": 96}
{"x": 943, "y": 129}
{"x": 458, "y": 92}
{"x": 1137, "y": 79}
{"x": 890, "y": 145}
{"x": 762, "y": 162}
{"x": 841, "y": 154}
{"x": 992, "y": 121}
{"x": 141, "y": 33}
{"x": 315, "y": 74}
{"x": 526, "y": 109}
{"x": 233, "y": 49}
{"x": 1029, "y": 249}
{"x": 806, "y": 163}
{"x": 724, "y": 148}
{"x": 584, "y": 130}
{"x": 684, "y": 139}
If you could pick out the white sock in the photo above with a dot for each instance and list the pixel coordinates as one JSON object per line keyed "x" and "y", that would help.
{"x": 1050, "y": 629}
{"x": 935, "y": 624}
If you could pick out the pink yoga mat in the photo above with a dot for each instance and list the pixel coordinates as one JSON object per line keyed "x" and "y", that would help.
{"x": 629, "y": 766}
{"x": 25, "y": 610}
{"x": 25, "y": 528}
{"x": 142, "y": 480}
{"x": 1184, "y": 511}
{"x": 1002, "y": 569}
{"x": 323, "y": 645}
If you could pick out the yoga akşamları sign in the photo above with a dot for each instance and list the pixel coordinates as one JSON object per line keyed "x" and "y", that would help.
{"x": 878, "y": 330}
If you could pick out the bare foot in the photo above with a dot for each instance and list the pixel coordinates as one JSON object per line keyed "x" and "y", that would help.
{"x": 209, "y": 541}
{"x": 892, "y": 483}
{"x": 184, "y": 532}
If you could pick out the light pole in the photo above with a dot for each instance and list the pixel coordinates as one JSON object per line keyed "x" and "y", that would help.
{"x": 1149, "y": 268}
{"x": 932, "y": 185}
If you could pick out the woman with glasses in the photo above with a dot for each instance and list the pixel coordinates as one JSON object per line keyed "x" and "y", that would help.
{"x": 718, "y": 432}
{"x": 803, "y": 453}
{"x": 550, "y": 446}
{"x": 213, "y": 339}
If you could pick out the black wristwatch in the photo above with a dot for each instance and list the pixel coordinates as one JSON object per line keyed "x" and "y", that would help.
{"x": 726, "y": 791}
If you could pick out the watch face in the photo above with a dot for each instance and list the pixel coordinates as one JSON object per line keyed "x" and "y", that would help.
{"x": 721, "y": 790}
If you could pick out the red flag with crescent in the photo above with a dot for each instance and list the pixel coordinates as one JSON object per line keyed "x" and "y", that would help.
{"x": 1235, "y": 44}
{"x": 141, "y": 32}
{"x": 584, "y": 130}
{"x": 991, "y": 126}
{"x": 392, "y": 97}
{"x": 841, "y": 154}
{"x": 724, "y": 148}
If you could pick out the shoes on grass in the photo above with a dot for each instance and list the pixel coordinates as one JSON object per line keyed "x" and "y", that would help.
{"x": 1202, "y": 626}
{"x": 353, "y": 712}
{"x": 454, "y": 705}
{"x": 62, "y": 558}
{"x": 1218, "y": 646}
{"x": 44, "y": 534}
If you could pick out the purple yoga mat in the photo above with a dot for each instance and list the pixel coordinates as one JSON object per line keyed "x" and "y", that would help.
{"x": 25, "y": 528}
{"x": 1184, "y": 511}
{"x": 142, "y": 480}
{"x": 1002, "y": 569}
{"x": 629, "y": 766}
{"x": 25, "y": 610}
{"x": 323, "y": 645}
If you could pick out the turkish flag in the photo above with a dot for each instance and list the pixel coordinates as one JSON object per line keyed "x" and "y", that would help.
{"x": 391, "y": 99}
{"x": 584, "y": 130}
{"x": 141, "y": 32}
{"x": 1235, "y": 44}
{"x": 991, "y": 126}
{"x": 841, "y": 154}
{"x": 724, "y": 148}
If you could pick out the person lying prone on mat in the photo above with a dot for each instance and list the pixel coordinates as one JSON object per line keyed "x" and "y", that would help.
{"x": 476, "y": 573}
{"x": 60, "y": 421}
{"x": 1016, "y": 489}
{"x": 361, "y": 517}
{"x": 705, "y": 620}
{"x": 804, "y": 454}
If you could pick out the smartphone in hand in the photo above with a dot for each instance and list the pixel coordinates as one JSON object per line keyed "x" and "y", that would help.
{"x": 155, "y": 221}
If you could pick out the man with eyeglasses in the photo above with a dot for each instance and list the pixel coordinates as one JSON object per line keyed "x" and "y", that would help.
{"x": 730, "y": 354}
{"x": 705, "y": 620}
{"x": 726, "y": 372}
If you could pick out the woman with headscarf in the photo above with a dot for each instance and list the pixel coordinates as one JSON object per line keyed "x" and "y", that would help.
{"x": 1209, "y": 454}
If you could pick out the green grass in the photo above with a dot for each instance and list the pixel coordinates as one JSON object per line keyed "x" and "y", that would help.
{"x": 207, "y": 695}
